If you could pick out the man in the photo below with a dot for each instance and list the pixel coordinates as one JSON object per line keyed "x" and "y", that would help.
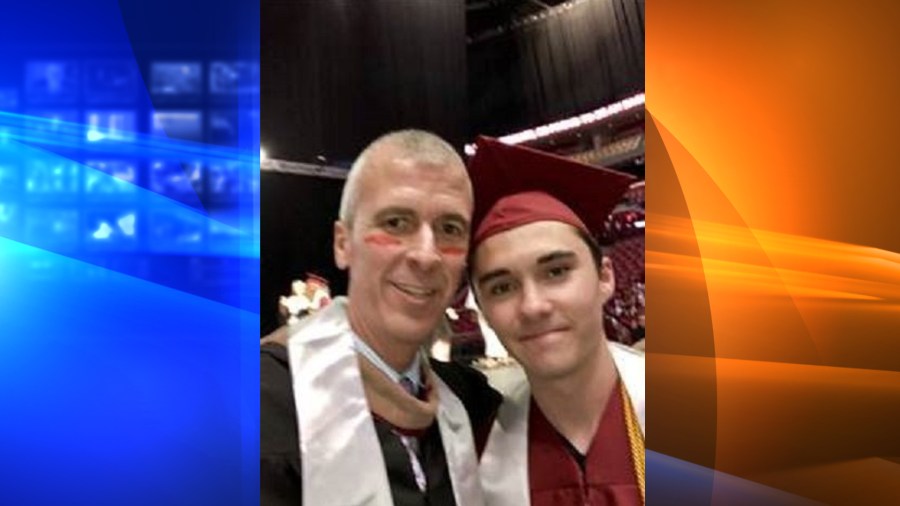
{"x": 573, "y": 433}
{"x": 378, "y": 424}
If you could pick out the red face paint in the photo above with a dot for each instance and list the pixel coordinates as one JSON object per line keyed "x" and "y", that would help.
{"x": 452, "y": 250}
{"x": 381, "y": 239}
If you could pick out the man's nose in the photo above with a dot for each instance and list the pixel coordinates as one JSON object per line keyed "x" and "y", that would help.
{"x": 424, "y": 250}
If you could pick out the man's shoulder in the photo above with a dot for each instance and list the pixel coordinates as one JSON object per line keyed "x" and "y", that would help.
{"x": 274, "y": 375}
{"x": 479, "y": 399}
{"x": 277, "y": 413}
{"x": 273, "y": 353}
{"x": 470, "y": 385}
{"x": 274, "y": 366}
{"x": 456, "y": 374}
{"x": 279, "y": 448}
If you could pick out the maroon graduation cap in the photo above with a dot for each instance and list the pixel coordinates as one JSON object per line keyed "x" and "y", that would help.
{"x": 516, "y": 185}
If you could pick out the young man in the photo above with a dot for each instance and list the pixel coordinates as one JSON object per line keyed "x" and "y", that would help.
{"x": 351, "y": 412}
{"x": 573, "y": 433}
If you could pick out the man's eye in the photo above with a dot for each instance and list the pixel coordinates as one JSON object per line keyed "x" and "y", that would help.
{"x": 397, "y": 223}
{"x": 452, "y": 229}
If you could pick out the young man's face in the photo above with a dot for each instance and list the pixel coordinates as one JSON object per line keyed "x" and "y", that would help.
{"x": 405, "y": 249}
{"x": 540, "y": 291}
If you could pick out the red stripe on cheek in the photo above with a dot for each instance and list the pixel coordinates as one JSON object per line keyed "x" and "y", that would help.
{"x": 453, "y": 250}
{"x": 381, "y": 239}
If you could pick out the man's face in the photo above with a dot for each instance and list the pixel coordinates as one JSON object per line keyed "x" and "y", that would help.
{"x": 540, "y": 291}
{"x": 405, "y": 249}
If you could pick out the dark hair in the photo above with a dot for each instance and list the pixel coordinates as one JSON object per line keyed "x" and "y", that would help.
{"x": 592, "y": 245}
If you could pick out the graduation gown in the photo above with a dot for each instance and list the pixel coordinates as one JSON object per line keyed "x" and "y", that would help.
{"x": 321, "y": 445}
{"x": 527, "y": 462}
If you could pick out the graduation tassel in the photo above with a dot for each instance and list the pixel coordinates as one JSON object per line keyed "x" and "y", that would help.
{"x": 636, "y": 439}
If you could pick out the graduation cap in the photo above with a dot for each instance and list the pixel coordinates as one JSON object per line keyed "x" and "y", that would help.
{"x": 516, "y": 185}
{"x": 312, "y": 277}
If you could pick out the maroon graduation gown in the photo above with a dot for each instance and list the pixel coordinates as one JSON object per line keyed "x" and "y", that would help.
{"x": 556, "y": 478}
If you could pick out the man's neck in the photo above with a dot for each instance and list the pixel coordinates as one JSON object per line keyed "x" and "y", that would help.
{"x": 397, "y": 354}
{"x": 575, "y": 403}
{"x": 393, "y": 365}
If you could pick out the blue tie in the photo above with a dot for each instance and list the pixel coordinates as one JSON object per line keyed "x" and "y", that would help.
{"x": 409, "y": 386}
{"x": 411, "y": 443}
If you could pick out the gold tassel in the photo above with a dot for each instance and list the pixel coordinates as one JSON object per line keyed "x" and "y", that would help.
{"x": 636, "y": 438}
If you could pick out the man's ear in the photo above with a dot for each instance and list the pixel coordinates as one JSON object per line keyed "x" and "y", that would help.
{"x": 607, "y": 278}
{"x": 341, "y": 245}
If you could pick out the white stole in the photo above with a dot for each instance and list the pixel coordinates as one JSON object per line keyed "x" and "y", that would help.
{"x": 340, "y": 453}
{"x": 504, "y": 464}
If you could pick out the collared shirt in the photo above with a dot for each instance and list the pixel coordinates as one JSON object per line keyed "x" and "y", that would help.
{"x": 413, "y": 372}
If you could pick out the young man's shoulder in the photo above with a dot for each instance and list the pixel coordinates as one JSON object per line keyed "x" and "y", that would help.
{"x": 628, "y": 352}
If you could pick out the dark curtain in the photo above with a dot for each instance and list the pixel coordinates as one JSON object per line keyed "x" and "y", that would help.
{"x": 296, "y": 218}
{"x": 568, "y": 63}
{"x": 338, "y": 73}
{"x": 335, "y": 75}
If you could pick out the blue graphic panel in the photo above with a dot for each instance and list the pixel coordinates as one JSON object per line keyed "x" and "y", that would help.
{"x": 129, "y": 252}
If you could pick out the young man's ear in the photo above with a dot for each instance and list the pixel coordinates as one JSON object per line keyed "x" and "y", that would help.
{"x": 607, "y": 278}
{"x": 341, "y": 245}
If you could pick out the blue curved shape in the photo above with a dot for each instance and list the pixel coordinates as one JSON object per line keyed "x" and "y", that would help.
{"x": 671, "y": 481}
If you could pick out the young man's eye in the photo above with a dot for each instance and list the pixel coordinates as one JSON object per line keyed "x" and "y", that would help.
{"x": 558, "y": 271}
{"x": 499, "y": 289}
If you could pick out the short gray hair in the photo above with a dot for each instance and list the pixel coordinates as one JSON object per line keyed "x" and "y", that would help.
{"x": 419, "y": 145}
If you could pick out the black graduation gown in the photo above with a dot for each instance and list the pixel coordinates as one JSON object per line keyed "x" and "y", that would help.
{"x": 280, "y": 467}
